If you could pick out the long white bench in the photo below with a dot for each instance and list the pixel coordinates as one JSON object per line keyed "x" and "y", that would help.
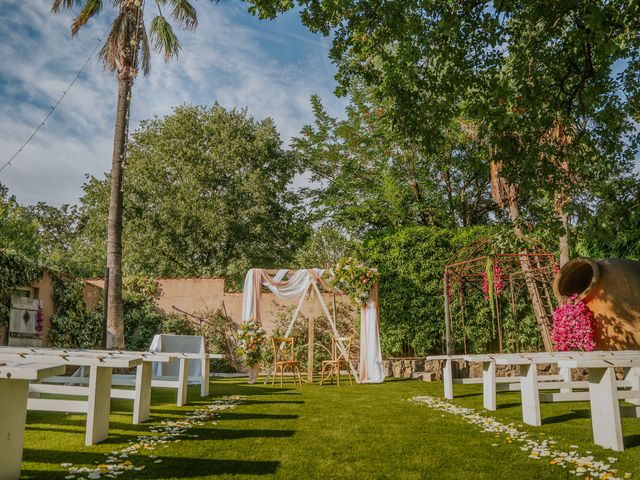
{"x": 98, "y": 392}
{"x": 14, "y": 390}
{"x": 491, "y": 383}
{"x": 604, "y": 391}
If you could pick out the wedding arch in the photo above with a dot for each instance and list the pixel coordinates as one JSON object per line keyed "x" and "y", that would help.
{"x": 293, "y": 285}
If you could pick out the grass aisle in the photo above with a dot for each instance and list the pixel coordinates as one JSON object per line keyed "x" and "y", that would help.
{"x": 364, "y": 431}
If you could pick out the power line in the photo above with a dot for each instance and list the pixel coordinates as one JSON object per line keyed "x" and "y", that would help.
{"x": 52, "y": 108}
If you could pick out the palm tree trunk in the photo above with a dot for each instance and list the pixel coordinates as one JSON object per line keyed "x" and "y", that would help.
{"x": 115, "y": 320}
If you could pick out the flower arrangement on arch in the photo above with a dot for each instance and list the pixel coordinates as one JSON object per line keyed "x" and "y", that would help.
{"x": 251, "y": 341}
{"x": 573, "y": 326}
{"x": 495, "y": 277}
{"x": 354, "y": 278}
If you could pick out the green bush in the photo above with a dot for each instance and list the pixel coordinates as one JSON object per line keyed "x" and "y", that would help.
{"x": 15, "y": 271}
{"x": 411, "y": 264}
{"x": 73, "y": 325}
{"x": 142, "y": 318}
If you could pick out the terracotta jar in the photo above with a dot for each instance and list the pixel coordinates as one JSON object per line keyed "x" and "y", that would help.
{"x": 611, "y": 289}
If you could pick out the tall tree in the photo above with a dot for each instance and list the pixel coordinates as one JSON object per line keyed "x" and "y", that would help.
{"x": 126, "y": 52}
{"x": 552, "y": 88}
{"x": 208, "y": 194}
{"x": 368, "y": 176}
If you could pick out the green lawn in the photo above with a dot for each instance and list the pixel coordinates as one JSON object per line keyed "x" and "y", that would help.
{"x": 363, "y": 431}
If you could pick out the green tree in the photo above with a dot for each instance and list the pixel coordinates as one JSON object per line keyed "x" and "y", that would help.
{"x": 126, "y": 51}
{"x": 368, "y": 176}
{"x": 208, "y": 194}
{"x": 18, "y": 231}
{"x": 550, "y": 88}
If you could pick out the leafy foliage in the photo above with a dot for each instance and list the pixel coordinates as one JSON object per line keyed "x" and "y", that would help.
{"x": 367, "y": 176}
{"x": 219, "y": 331}
{"x": 207, "y": 193}
{"x": 411, "y": 264}
{"x": 73, "y": 325}
{"x": 15, "y": 271}
{"x": 142, "y": 318}
{"x": 17, "y": 231}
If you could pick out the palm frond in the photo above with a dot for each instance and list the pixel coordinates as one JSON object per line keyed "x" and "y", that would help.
{"x": 163, "y": 37}
{"x": 91, "y": 8}
{"x": 145, "y": 49}
{"x": 112, "y": 53}
{"x": 64, "y": 5}
{"x": 184, "y": 13}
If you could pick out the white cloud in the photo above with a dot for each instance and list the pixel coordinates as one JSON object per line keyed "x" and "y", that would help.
{"x": 270, "y": 67}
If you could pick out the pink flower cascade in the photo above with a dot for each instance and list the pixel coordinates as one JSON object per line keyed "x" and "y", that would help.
{"x": 498, "y": 282}
{"x": 573, "y": 327}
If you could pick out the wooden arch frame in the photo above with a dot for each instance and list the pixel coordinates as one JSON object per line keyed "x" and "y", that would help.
{"x": 315, "y": 288}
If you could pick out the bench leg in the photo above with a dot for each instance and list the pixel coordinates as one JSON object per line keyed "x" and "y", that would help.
{"x": 142, "y": 400}
{"x": 447, "y": 378}
{"x": 489, "y": 385}
{"x": 632, "y": 375}
{"x": 204, "y": 385}
{"x": 183, "y": 381}
{"x": 529, "y": 395}
{"x": 605, "y": 410}
{"x": 13, "y": 415}
{"x": 565, "y": 373}
{"x": 99, "y": 405}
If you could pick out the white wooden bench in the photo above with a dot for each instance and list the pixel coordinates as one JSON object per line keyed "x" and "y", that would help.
{"x": 98, "y": 392}
{"x": 14, "y": 390}
{"x": 491, "y": 383}
{"x": 604, "y": 396}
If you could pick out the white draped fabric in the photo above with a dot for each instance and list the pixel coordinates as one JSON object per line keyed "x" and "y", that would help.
{"x": 371, "y": 370}
{"x": 295, "y": 288}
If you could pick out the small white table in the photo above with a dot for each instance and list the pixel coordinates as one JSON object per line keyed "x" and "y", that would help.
{"x": 14, "y": 390}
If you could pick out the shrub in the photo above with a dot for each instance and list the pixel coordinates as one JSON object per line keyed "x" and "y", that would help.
{"x": 73, "y": 325}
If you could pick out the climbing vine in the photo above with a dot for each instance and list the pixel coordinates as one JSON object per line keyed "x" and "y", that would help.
{"x": 73, "y": 325}
{"x": 15, "y": 271}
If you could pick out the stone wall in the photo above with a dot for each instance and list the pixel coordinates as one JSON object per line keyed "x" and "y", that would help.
{"x": 194, "y": 295}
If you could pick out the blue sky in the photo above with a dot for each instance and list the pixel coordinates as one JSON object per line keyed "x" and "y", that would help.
{"x": 270, "y": 67}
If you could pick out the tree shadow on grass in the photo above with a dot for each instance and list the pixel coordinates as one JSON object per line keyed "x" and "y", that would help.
{"x": 467, "y": 395}
{"x": 230, "y": 433}
{"x": 171, "y": 467}
{"x": 573, "y": 415}
{"x": 267, "y": 402}
{"x": 632, "y": 441}
{"x": 256, "y": 416}
{"x": 504, "y": 406}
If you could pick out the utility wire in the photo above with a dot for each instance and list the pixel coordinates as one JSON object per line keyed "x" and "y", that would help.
{"x": 52, "y": 108}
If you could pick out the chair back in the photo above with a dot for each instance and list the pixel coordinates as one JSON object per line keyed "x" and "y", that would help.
{"x": 336, "y": 353}
{"x": 174, "y": 344}
{"x": 283, "y": 349}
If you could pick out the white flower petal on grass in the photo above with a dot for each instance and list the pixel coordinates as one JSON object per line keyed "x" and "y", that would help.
{"x": 537, "y": 448}
{"x": 116, "y": 462}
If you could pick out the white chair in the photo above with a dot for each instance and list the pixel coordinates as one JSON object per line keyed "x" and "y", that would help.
{"x": 193, "y": 367}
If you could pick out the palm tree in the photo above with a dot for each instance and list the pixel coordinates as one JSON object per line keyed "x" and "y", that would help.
{"x": 125, "y": 52}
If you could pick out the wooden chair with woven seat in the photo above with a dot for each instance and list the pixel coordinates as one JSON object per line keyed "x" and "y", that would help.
{"x": 284, "y": 357}
{"x": 338, "y": 358}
